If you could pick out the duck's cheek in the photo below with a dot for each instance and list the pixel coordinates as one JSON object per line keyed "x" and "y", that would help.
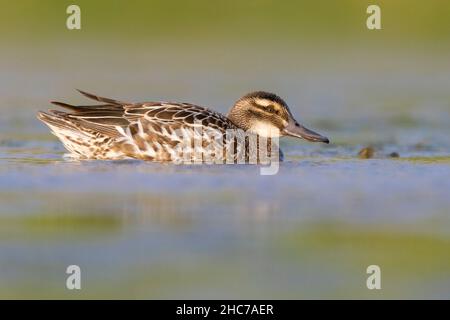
{"x": 265, "y": 129}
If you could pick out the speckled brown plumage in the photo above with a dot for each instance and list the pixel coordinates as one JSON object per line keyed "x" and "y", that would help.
{"x": 151, "y": 130}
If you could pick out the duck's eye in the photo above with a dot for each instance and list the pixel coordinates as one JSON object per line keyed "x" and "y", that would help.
{"x": 269, "y": 109}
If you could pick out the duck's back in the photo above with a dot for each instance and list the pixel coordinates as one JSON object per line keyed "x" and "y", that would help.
{"x": 158, "y": 131}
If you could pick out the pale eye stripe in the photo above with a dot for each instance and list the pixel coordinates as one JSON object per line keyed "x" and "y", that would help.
{"x": 264, "y": 102}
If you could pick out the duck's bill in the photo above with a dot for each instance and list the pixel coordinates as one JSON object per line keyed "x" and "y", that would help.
{"x": 299, "y": 131}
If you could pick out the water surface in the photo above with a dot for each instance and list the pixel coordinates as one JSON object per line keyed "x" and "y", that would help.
{"x": 151, "y": 230}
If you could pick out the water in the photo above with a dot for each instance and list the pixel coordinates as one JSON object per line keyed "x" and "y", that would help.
{"x": 150, "y": 230}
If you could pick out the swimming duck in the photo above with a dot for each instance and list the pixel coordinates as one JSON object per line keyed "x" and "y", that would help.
{"x": 115, "y": 130}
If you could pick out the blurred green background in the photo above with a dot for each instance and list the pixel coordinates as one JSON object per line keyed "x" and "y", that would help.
{"x": 251, "y": 21}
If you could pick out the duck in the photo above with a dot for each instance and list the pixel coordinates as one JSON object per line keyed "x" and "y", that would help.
{"x": 157, "y": 131}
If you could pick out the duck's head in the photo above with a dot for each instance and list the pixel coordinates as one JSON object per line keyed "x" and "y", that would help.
{"x": 267, "y": 115}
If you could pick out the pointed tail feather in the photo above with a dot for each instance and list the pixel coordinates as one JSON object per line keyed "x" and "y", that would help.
{"x": 87, "y": 108}
{"x": 102, "y": 99}
{"x": 74, "y": 140}
{"x": 55, "y": 121}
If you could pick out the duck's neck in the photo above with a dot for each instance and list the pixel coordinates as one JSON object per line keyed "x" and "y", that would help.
{"x": 239, "y": 118}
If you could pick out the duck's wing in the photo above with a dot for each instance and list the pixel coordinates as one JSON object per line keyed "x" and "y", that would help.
{"x": 166, "y": 114}
{"x": 147, "y": 125}
{"x": 112, "y": 116}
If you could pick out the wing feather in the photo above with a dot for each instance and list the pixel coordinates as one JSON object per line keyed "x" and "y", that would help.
{"x": 153, "y": 122}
